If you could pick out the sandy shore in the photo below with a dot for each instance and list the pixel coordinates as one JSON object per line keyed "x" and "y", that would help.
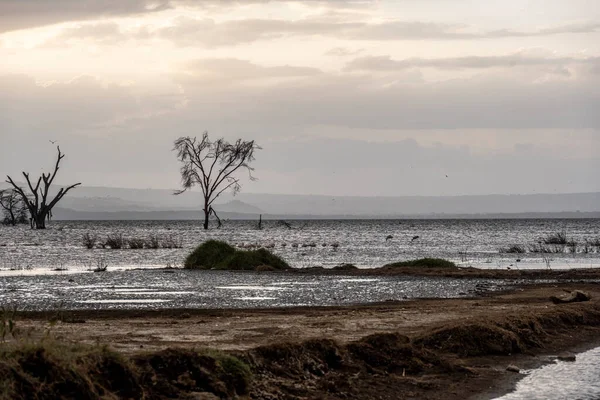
{"x": 434, "y": 349}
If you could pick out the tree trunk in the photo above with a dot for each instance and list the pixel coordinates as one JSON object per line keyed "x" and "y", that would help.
{"x": 40, "y": 221}
{"x": 206, "y": 216}
{"x": 13, "y": 219}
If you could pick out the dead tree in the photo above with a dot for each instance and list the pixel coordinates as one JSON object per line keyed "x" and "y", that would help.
{"x": 13, "y": 207}
{"x": 212, "y": 166}
{"x": 38, "y": 202}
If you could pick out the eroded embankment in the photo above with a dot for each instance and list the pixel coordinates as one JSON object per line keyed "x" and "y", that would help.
{"x": 435, "y": 364}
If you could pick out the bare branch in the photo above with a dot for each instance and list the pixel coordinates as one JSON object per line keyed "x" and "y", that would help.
{"x": 40, "y": 210}
{"x": 203, "y": 159}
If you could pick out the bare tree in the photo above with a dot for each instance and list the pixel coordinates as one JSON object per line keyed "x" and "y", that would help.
{"x": 37, "y": 201}
{"x": 13, "y": 207}
{"x": 212, "y": 166}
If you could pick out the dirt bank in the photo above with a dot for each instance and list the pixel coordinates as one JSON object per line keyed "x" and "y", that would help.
{"x": 434, "y": 349}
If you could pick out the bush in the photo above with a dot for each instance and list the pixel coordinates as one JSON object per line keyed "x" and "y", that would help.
{"x": 556, "y": 238}
{"x": 252, "y": 259}
{"x": 424, "y": 263}
{"x": 89, "y": 241}
{"x": 153, "y": 242}
{"x": 220, "y": 255}
{"x": 136, "y": 243}
{"x": 208, "y": 255}
{"x": 115, "y": 242}
{"x": 515, "y": 249}
{"x": 171, "y": 243}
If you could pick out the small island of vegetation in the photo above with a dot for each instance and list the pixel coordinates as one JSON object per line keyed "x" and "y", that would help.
{"x": 215, "y": 254}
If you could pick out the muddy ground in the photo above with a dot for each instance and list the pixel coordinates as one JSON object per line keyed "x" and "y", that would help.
{"x": 434, "y": 349}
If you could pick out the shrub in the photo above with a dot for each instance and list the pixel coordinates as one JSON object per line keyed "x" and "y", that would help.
{"x": 208, "y": 255}
{"x": 556, "y": 238}
{"x": 115, "y": 241}
{"x": 153, "y": 242}
{"x": 171, "y": 243}
{"x": 136, "y": 243}
{"x": 101, "y": 266}
{"x": 425, "y": 263}
{"x": 89, "y": 241}
{"x": 251, "y": 259}
{"x": 220, "y": 255}
{"x": 515, "y": 249}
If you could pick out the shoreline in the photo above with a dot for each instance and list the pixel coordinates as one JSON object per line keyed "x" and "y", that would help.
{"x": 432, "y": 360}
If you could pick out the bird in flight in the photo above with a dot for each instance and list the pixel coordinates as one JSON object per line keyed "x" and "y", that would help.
{"x": 52, "y": 141}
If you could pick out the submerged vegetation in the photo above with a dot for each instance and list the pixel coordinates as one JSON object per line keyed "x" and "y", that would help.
{"x": 514, "y": 249}
{"x": 117, "y": 241}
{"x": 555, "y": 243}
{"x": 215, "y": 254}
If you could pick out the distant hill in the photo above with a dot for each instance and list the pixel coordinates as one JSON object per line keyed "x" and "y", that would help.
{"x": 160, "y": 203}
{"x": 236, "y": 206}
{"x": 73, "y": 215}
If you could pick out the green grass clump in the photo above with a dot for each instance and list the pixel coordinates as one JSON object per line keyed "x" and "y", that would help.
{"x": 424, "y": 263}
{"x": 215, "y": 254}
{"x": 251, "y": 259}
{"x": 208, "y": 255}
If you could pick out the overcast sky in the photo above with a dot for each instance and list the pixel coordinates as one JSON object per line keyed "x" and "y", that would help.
{"x": 346, "y": 97}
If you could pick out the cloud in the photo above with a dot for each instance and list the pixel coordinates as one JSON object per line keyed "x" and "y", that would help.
{"x": 187, "y": 31}
{"x": 402, "y": 30}
{"x": 206, "y": 32}
{"x": 495, "y": 101}
{"x": 343, "y": 52}
{"x": 231, "y": 71}
{"x": 23, "y": 14}
{"x": 107, "y": 129}
{"x": 519, "y": 59}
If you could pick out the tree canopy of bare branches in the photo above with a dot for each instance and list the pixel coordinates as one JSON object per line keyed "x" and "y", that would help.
{"x": 38, "y": 202}
{"x": 213, "y": 166}
{"x": 13, "y": 207}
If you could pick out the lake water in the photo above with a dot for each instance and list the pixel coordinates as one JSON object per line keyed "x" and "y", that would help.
{"x": 562, "y": 380}
{"x": 158, "y": 288}
{"x": 360, "y": 242}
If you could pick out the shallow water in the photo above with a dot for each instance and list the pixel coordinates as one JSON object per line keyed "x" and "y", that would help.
{"x": 579, "y": 380}
{"x": 220, "y": 289}
{"x": 360, "y": 242}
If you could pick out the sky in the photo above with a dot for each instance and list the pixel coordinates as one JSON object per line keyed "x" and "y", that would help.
{"x": 345, "y": 97}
